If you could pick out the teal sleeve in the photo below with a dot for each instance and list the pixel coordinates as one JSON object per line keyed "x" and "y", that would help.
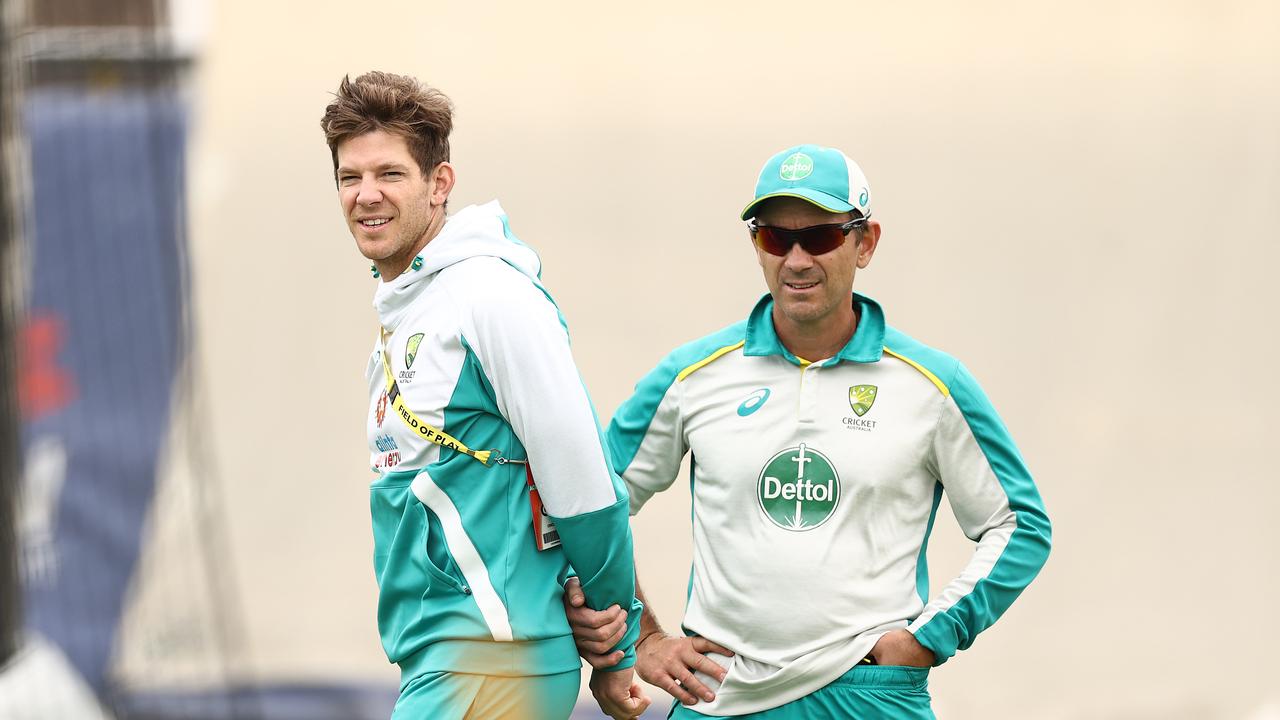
{"x": 598, "y": 545}
{"x": 632, "y": 420}
{"x": 646, "y": 437}
{"x": 1028, "y": 544}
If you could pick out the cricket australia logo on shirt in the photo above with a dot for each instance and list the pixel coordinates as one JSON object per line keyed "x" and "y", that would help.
{"x": 798, "y": 489}
{"x": 411, "y": 350}
{"x": 861, "y": 398}
{"x": 410, "y": 354}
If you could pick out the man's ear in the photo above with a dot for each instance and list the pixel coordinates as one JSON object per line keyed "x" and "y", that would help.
{"x": 868, "y": 242}
{"x": 443, "y": 178}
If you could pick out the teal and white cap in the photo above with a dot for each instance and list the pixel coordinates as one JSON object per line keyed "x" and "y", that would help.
{"x": 824, "y": 176}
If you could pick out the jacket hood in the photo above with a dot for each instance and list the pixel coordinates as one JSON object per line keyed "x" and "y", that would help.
{"x": 474, "y": 231}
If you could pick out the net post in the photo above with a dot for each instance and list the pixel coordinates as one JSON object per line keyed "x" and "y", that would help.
{"x": 10, "y": 464}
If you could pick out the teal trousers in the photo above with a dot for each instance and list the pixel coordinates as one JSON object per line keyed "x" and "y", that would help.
{"x": 867, "y": 692}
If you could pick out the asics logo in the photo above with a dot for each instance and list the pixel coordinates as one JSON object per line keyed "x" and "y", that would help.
{"x": 753, "y": 402}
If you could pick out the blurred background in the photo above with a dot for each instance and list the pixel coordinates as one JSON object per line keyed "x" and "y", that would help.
{"x": 1079, "y": 200}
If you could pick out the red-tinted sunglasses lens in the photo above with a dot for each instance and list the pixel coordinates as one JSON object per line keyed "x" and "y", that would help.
{"x": 816, "y": 240}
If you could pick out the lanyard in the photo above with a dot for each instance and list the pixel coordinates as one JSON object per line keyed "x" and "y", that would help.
{"x": 424, "y": 429}
{"x": 545, "y": 534}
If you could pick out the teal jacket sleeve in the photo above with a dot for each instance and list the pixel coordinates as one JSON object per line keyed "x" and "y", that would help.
{"x": 997, "y": 504}
{"x": 523, "y": 345}
{"x": 597, "y": 543}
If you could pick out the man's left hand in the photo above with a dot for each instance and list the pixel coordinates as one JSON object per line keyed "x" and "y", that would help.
{"x": 900, "y": 647}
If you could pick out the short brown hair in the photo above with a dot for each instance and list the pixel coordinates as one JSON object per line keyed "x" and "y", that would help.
{"x": 398, "y": 104}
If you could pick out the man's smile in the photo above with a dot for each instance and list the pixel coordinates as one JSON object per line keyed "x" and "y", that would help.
{"x": 797, "y": 285}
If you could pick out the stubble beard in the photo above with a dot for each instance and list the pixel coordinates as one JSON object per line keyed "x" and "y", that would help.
{"x": 802, "y": 313}
{"x": 403, "y": 247}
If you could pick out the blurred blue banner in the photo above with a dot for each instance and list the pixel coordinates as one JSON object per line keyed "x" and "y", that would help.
{"x": 100, "y": 350}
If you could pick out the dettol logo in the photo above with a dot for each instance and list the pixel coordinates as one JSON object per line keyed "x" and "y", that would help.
{"x": 798, "y": 489}
{"x": 797, "y": 166}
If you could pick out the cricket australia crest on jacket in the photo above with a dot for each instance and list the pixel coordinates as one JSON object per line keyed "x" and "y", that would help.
{"x": 471, "y": 384}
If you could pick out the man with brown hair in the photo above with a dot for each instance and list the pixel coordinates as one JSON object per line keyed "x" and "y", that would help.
{"x": 493, "y": 481}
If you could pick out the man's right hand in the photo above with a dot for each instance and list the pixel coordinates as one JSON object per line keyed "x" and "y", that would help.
{"x": 668, "y": 662}
{"x": 618, "y": 694}
{"x": 595, "y": 632}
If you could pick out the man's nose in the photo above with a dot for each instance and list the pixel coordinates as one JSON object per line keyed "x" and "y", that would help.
{"x": 369, "y": 193}
{"x": 797, "y": 258}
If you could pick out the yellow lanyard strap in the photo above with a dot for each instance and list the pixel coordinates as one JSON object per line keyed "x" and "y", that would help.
{"x": 425, "y": 430}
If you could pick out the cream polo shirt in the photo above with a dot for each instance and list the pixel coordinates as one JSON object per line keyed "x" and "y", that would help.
{"x": 815, "y": 487}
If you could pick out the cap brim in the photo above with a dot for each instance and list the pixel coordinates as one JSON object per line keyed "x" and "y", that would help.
{"x": 830, "y": 203}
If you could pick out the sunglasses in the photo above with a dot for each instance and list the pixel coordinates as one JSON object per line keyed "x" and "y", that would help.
{"x": 815, "y": 239}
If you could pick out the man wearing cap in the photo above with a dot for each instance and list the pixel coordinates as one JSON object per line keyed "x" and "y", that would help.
{"x": 822, "y": 442}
